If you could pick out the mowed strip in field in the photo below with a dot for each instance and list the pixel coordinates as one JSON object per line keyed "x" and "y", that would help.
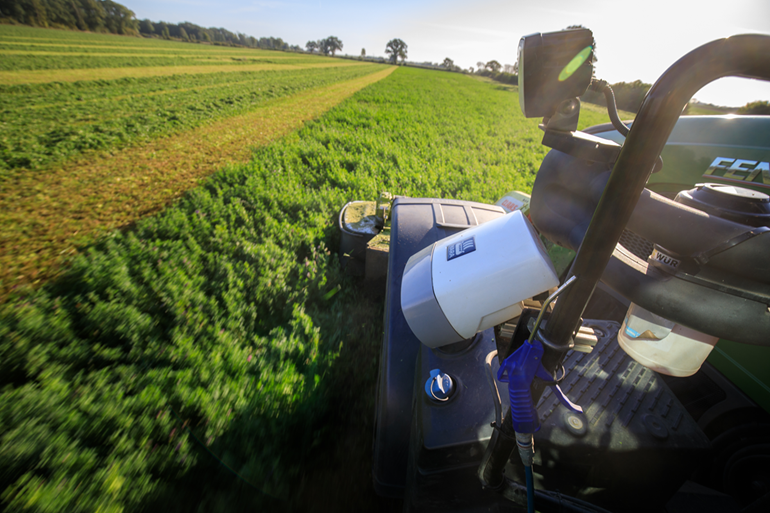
{"x": 45, "y": 216}
{"x": 48, "y": 124}
{"x": 41, "y": 76}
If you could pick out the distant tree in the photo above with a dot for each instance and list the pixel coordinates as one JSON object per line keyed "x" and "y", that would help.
{"x": 480, "y": 65}
{"x": 758, "y": 108}
{"x": 470, "y": 70}
{"x": 448, "y": 63}
{"x": 81, "y": 23}
{"x": 363, "y": 52}
{"x": 206, "y": 36}
{"x": 119, "y": 19}
{"x": 330, "y": 45}
{"x": 628, "y": 95}
{"x": 183, "y": 34}
{"x": 146, "y": 27}
{"x": 164, "y": 31}
{"x": 311, "y": 46}
{"x": 397, "y": 49}
{"x": 493, "y": 66}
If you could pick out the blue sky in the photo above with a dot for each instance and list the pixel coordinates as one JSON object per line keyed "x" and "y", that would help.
{"x": 635, "y": 40}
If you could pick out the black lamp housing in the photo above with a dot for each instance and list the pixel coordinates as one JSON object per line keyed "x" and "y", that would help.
{"x": 553, "y": 67}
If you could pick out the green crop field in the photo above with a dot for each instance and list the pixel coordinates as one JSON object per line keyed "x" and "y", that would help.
{"x": 213, "y": 357}
{"x": 49, "y": 123}
{"x": 89, "y": 148}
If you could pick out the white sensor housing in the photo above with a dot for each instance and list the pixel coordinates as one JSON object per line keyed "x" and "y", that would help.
{"x": 474, "y": 280}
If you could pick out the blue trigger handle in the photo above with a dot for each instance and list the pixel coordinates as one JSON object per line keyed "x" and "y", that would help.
{"x": 518, "y": 370}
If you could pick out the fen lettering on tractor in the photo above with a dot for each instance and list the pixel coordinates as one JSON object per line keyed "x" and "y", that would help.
{"x": 603, "y": 344}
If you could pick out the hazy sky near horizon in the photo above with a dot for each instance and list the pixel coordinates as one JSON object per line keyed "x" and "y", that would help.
{"x": 635, "y": 40}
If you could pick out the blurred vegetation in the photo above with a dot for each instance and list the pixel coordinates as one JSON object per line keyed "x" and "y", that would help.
{"x": 628, "y": 95}
{"x": 758, "y": 108}
{"x": 499, "y": 76}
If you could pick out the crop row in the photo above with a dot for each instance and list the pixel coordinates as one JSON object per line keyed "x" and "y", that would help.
{"x": 95, "y": 49}
{"x": 33, "y": 34}
{"x": 48, "y": 123}
{"x": 45, "y": 216}
{"x": 43, "y": 49}
{"x": 79, "y": 61}
{"x": 64, "y": 50}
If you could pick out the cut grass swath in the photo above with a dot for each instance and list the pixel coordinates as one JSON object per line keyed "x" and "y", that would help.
{"x": 43, "y": 217}
{"x": 49, "y": 123}
{"x": 77, "y": 75}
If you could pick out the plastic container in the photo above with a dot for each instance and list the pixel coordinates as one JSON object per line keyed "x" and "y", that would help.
{"x": 358, "y": 224}
{"x": 515, "y": 200}
{"x": 662, "y": 345}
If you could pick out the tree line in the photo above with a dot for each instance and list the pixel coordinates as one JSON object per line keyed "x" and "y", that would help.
{"x": 107, "y": 16}
{"x": 628, "y": 95}
{"x": 187, "y": 31}
{"x": 92, "y": 15}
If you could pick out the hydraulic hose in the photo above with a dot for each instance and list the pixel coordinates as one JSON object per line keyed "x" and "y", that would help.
{"x": 530, "y": 489}
{"x": 550, "y": 501}
{"x": 612, "y": 107}
{"x": 498, "y": 452}
{"x": 493, "y": 386}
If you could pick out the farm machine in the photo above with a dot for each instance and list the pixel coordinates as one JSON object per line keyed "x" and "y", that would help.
{"x": 600, "y": 345}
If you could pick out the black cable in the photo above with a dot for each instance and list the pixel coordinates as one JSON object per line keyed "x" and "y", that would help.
{"x": 555, "y": 500}
{"x": 499, "y": 449}
{"x": 612, "y": 107}
{"x": 493, "y": 387}
{"x": 530, "y": 480}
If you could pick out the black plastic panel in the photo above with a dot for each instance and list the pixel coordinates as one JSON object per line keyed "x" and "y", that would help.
{"x": 449, "y": 439}
{"x": 416, "y": 224}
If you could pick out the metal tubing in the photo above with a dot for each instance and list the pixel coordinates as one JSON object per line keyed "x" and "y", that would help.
{"x": 743, "y": 56}
{"x": 494, "y": 389}
{"x": 548, "y": 301}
